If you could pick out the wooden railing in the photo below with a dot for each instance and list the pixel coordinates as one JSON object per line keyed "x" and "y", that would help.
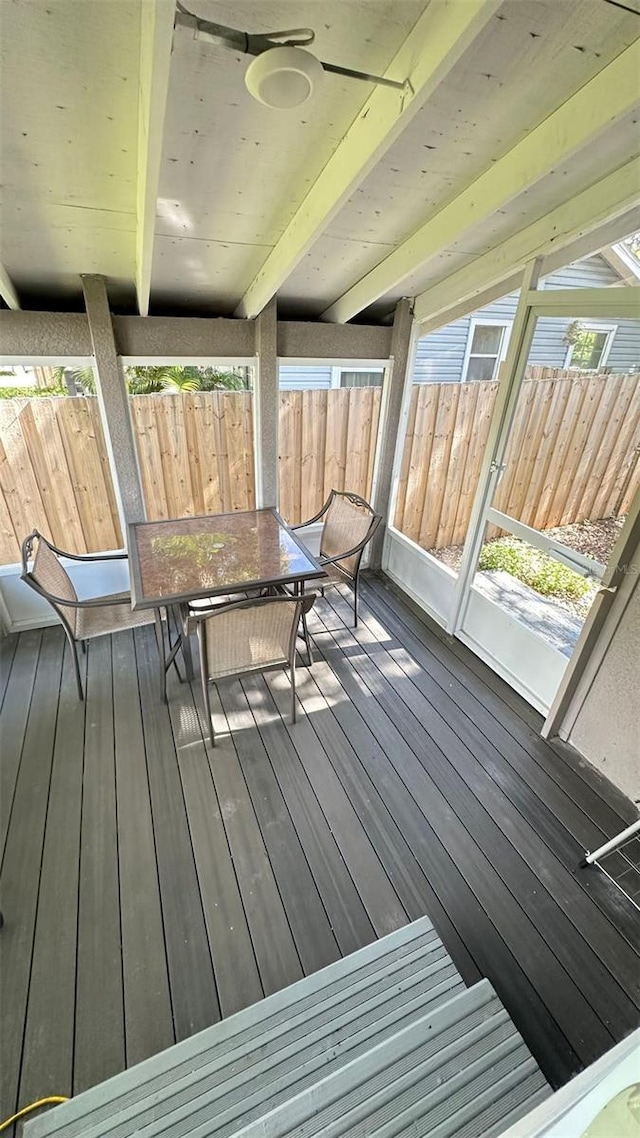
{"x": 573, "y": 456}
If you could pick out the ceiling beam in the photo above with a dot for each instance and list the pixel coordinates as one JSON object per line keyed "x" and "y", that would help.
{"x": 7, "y": 291}
{"x": 577, "y": 123}
{"x": 580, "y": 219}
{"x": 156, "y": 36}
{"x": 622, "y": 262}
{"x": 439, "y": 38}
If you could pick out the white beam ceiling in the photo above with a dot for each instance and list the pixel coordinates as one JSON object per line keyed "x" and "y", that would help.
{"x": 435, "y": 44}
{"x": 7, "y": 291}
{"x": 610, "y": 198}
{"x": 604, "y": 100}
{"x": 156, "y": 36}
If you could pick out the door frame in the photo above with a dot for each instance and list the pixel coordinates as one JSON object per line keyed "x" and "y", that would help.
{"x": 615, "y": 302}
{"x": 608, "y": 303}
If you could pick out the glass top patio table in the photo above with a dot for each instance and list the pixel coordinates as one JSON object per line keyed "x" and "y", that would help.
{"x": 183, "y": 559}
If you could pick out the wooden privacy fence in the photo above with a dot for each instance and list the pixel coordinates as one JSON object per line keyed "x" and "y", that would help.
{"x": 195, "y": 453}
{"x": 54, "y": 476}
{"x": 573, "y": 453}
{"x": 327, "y": 440}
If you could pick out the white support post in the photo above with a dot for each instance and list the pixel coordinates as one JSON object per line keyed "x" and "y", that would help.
{"x": 114, "y": 405}
{"x": 265, "y": 407}
{"x": 7, "y": 291}
{"x": 402, "y": 345}
{"x": 503, "y": 412}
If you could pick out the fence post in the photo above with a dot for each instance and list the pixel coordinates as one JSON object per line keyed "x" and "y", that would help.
{"x": 389, "y": 424}
{"x": 265, "y": 407}
{"x": 114, "y": 405}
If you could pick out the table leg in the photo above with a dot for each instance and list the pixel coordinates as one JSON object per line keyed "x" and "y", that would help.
{"x": 185, "y": 645}
{"x": 161, "y": 653}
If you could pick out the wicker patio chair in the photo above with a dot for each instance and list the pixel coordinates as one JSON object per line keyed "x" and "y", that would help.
{"x": 255, "y": 635}
{"x": 349, "y": 525}
{"x": 85, "y": 619}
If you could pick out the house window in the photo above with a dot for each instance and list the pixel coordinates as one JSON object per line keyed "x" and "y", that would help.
{"x": 486, "y": 349}
{"x": 590, "y": 346}
{"x": 357, "y": 377}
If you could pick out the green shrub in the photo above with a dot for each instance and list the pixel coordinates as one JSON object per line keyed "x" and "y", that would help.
{"x": 533, "y": 568}
{"x": 30, "y": 392}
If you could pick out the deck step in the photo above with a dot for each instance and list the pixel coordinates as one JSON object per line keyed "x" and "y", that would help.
{"x": 462, "y": 1071}
{"x": 280, "y": 1051}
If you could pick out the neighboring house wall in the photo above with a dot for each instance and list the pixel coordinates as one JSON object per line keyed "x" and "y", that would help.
{"x": 304, "y": 378}
{"x": 440, "y": 357}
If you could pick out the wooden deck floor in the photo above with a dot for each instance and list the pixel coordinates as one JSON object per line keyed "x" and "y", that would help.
{"x": 150, "y": 885}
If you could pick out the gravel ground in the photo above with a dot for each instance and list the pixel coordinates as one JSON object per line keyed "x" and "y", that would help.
{"x": 594, "y": 539}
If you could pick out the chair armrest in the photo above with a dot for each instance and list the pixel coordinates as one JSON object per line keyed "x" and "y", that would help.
{"x": 315, "y": 518}
{"x": 91, "y": 556}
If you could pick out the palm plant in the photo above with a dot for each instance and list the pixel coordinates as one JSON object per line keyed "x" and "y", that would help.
{"x": 147, "y": 380}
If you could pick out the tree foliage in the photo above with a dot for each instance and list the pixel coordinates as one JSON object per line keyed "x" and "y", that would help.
{"x": 150, "y": 379}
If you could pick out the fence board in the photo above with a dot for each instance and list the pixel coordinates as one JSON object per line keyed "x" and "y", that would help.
{"x": 314, "y": 441}
{"x": 339, "y": 423}
{"x": 289, "y": 449}
{"x": 204, "y": 443}
{"x": 374, "y": 420}
{"x": 149, "y": 460}
{"x": 419, "y": 445}
{"x": 460, "y": 443}
{"x": 439, "y": 467}
{"x": 19, "y": 484}
{"x": 623, "y": 436}
{"x": 485, "y": 400}
{"x": 405, "y": 462}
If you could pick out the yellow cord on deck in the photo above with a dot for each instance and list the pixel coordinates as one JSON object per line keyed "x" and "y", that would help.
{"x": 49, "y": 1101}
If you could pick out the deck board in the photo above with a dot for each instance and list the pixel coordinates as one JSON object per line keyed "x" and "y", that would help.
{"x": 147, "y": 999}
{"x": 182, "y": 884}
{"x": 99, "y": 1043}
{"x": 20, "y": 875}
{"x": 47, "y": 1060}
{"x": 511, "y": 847}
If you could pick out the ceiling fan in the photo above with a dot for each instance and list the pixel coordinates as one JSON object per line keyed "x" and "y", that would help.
{"x": 283, "y": 74}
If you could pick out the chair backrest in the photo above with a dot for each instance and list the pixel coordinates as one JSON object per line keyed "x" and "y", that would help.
{"x": 49, "y": 577}
{"x": 350, "y": 522}
{"x": 250, "y": 635}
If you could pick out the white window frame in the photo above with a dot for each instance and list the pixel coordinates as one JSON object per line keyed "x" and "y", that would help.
{"x": 486, "y": 322}
{"x": 593, "y": 326}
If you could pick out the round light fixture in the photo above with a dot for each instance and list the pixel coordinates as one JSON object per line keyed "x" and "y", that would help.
{"x": 283, "y": 77}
